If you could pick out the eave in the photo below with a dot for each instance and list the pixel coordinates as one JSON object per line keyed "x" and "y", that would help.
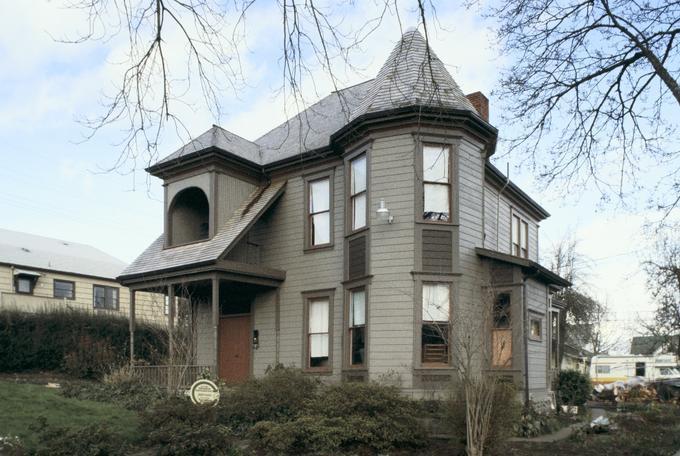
{"x": 496, "y": 177}
{"x": 528, "y": 266}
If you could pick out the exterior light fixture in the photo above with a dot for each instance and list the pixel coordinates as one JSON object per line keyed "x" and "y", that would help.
{"x": 383, "y": 212}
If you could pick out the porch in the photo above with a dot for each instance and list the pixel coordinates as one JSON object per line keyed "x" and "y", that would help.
{"x": 210, "y": 321}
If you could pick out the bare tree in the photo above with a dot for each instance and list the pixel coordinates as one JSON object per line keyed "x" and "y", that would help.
{"x": 592, "y": 91}
{"x": 178, "y": 50}
{"x": 663, "y": 280}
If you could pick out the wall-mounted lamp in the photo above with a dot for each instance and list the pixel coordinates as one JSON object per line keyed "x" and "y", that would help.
{"x": 384, "y": 213}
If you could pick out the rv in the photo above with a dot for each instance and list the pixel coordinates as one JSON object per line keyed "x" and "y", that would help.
{"x": 612, "y": 368}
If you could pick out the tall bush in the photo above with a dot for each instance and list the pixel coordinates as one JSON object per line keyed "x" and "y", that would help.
{"x": 573, "y": 387}
{"x": 82, "y": 344}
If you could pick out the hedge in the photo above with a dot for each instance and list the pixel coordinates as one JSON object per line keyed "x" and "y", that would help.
{"x": 75, "y": 342}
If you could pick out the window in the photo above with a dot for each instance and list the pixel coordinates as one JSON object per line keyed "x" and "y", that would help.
{"x": 436, "y": 183}
{"x": 24, "y": 284}
{"x": 357, "y": 327}
{"x": 554, "y": 338}
{"x": 435, "y": 327}
{"x": 64, "y": 289}
{"x": 318, "y": 340}
{"x": 536, "y": 328}
{"x": 602, "y": 369}
{"x": 640, "y": 369}
{"x": 105, "y": 297}
{"x": 357, "y": 192}
{"x": 319, "y": 212}
{"x": 501, "y": 334}
{"x": 520, "y": 237}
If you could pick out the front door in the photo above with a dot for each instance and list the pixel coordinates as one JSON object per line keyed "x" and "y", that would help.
{"x": 234, "y": 348}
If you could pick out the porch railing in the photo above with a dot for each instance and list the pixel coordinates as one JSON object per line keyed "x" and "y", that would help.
{"x": 171, "y": 376}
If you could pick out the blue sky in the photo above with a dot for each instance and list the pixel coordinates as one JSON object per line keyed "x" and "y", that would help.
{"x": 53, "y": 184}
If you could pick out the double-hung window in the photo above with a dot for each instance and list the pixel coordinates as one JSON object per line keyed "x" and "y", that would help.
{"x": 520, "y": 237}
{"x": 435, "y": 324}
{"x": 319, "y": 212}
{"x": 501, "y": 334}
{"x": 105, "y": 297}
{"x": 357, "y": 194}
{"x": 436, "y": 183}
{"x": 64, "y": 289}
{"x": 357, "y": 327}
{"x": 318, "y": 340}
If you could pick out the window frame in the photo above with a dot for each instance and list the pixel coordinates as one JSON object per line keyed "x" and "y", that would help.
{"x": 420, "y": 212}
{"x": 516, "y": 249}
{"x": 73, "y": 290}
{"x": 349, "y": 328}
{"x": 307, "y": 181}
{"x": 32, "y": 281}
{"x": 363, "y": 153}
{"x": 509, "y": 329}
{"x": 106, "y": 288}
{"x": 422, "y": 322}
{"x": 600, "y": 369}
{"x": 308, "y": 297}
{"x": 536, "y": 318}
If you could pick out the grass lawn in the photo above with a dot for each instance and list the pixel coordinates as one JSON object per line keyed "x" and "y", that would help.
{"x": 21, "y": 404}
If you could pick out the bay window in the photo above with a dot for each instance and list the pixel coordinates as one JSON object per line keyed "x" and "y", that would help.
{"x": 435, "y": 329}
{"x": 319, "y": 212}
{"x": 357, "y": 194}
{"x": 436, "y": 183}
{"x": 501, "y": 333}
{"x": 318, "y": 337}
{"x": 357, "y": 327}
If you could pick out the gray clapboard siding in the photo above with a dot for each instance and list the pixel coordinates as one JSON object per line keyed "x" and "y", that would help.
{"x": 231, "y": 192}
{"x": 537, "y": 304}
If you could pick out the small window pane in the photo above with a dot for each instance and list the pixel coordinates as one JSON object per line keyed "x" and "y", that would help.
{"x": 501, "y": 350}
{"x": 357, "y": 309}
{"x": 358, "y": 348}
{"x": 602, "y": 369}
{"x": 436, "y": 164}
{"x": 535, "y": 328}
{"x": 319, "y": 196}
{"x": 318, "y": 345}
{"x": 501, "y": 311}
{"x": 63, "y": 289}
{"x": 436, "y": 302}
{"x": 321, "y": 228}
{"x": 318, "y": 316}
{"x": 358, "y": 175}
{"x": 436, "y": 202}
{"x": 359, "y": 211}
{"x": 523, "y": 235}
{"x": 434, "y": 343}
{"x": 23, "y": 285}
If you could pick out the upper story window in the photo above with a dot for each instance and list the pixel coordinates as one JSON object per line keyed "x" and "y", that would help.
{"x": 64, "y": 289}
{"x": 105, "y": 297}
{"x": 436, "y": 183}
{"x": 357, "y": 192}
{"x": 520, "y": 237}
{"x": 319, "y": 212}
{"x": 188, "y": 217}
{"x": 436, "y": 326}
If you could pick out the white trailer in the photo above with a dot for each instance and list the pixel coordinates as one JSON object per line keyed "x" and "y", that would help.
{"x": 612, "y": 368}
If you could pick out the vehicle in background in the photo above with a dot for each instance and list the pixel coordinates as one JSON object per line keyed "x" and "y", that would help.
{"x": 606, "y": 369}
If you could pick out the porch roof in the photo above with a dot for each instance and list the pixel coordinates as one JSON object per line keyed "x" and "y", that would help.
{"x": 157, "y": 259}
{"x": 539, "y": 272}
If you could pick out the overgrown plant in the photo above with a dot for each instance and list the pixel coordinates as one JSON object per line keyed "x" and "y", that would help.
{"x": 573, "y": 387}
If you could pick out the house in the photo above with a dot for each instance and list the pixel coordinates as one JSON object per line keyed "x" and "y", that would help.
{"x": 43, "y": 274}
{"x": 575, "y": 358}
{"x": 655, "y": 345}
{"x": 348, "y": 240}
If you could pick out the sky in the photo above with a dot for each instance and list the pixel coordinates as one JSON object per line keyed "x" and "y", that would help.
{"x": 55, "y": 183}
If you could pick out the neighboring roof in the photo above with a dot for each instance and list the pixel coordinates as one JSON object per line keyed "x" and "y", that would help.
{"x": 156, "y": 258}
{"x": 501, "y": 179}
{"x": 412, "y": 76}
{"x": 540, "y": 272}
{"x": 648, "y": 345}
{"x": 30, "y": 251}
{"x": 570, "y": 350}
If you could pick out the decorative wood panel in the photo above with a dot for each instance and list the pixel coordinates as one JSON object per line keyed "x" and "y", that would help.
{"x": 437, "y": 251}
{"x": 357, "y": 258}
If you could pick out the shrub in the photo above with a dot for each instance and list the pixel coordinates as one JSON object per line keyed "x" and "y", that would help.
{"x": 573, "y": 387}
{"x": 348, "y": 416}
{"x": 11, "y": 446}
{"x": 279, "y": 396}
{"x": 130, "y": 393}
{"x": 533, "y": 423}
{"x": 93, "y": 440}
{"x": 80, "y": 343}
{"x": 179, "y": 427}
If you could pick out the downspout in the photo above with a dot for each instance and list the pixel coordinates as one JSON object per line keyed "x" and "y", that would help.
{"x": 498, "y": 205}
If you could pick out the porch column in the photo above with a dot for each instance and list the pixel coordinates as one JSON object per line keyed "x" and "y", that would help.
{"x": 132, "y": 326}
{"x": 215, "y": 301}
{"x": 171, "y": 323}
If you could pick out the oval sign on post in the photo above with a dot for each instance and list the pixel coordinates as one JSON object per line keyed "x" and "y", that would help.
{"x": 204, "y": 392}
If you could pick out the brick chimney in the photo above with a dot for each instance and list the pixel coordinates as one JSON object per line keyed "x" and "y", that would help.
{"x": 481, "y": 104}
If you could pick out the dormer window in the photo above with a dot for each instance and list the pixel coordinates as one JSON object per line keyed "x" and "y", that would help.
{"x": 188, "y": 217}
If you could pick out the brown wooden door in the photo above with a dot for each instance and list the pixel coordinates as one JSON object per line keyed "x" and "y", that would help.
{"x": 234, "y": 348}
